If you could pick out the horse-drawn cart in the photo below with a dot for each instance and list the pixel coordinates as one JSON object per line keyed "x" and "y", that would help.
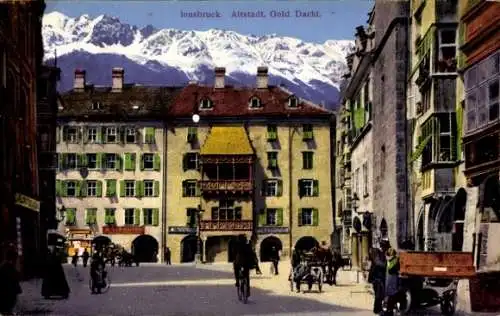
{"x": 431, "y": 278}
{"x": 309, "y": 271}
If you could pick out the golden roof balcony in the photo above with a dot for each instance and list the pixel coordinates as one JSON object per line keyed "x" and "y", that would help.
{"x": 226, "y": 186}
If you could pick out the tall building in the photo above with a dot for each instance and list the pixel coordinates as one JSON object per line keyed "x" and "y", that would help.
{"x": 357, "y": 166}
{"x": 479, "y": 63}
{"x": 47, "y": 107}
{"x": 390, "y": 64}
{"x": 256, "y": 163}
{"x": 112, "y": 165}
{"x": 21, "y": 56}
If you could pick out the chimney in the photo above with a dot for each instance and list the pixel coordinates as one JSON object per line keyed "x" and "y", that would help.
{"x": 79, "y": 82}
{"x": 220, "y": 73}
{"x": 262, "y": 78}
{"x": 117, "y": 79}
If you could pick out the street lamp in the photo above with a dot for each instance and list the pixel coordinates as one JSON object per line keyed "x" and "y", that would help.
{"x": 355, "y": 201}
{"x": 61, "y": 214}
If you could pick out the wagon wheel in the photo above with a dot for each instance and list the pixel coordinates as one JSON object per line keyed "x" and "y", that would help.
{"x": 448, "y": 305}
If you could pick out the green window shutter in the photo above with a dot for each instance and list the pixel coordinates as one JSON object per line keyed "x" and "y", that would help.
{"x": 99, "y": 188}
{"x": 142, "y": 162}
{"x": 280, "y": 188}
{"x": 78, "y": 188}
{"x": 128, "y": 161}
{"x": 99, "y": 160}
{"x": 122, "y": 188}
{"x": 316, "y": 188}
{"x": 299, "y": 218}
{"x": 110, "y": 187}
{"x": 279, "y": 214}
{"x": 64, "y": 188}
{"x": 112, "y": 217}
{"x": 139, "y": 188}
{"x": 88, "y": 216}
{"x": 59, "y": 191}
{"x": 156, "y": 162}
{"x": 156, "y": 217}
{"x": 137, "y": 216}
{"x": 119, "y": 162}
{"x": 70, "y": 217}
{"x": 84, "y": 160}
{"x": 106, "y": 216}
{"x": 156, "y": 188}
{"x": 262, "y": 217}
{"x": 198, "y": 188}
{"x": 315, "y": 215}
{"x": 83, "y": 188}
{"x": 79, "y": 160}
{"x": 149, "y": 135}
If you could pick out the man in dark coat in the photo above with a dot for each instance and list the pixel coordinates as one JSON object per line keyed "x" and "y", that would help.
{"x": 275, "y": 259}
{"x": 54, "y": 281}
{"x": 9, "y": 286}
{"x": 167, "y": 256}
{"x": 376, "y": 277}
{"x": 85, "y": 258}
{"x": 245, "y": 259}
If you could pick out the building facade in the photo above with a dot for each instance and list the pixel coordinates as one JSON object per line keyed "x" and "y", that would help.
{"x": 111, "y": 165}
{"x": 357, "y": 203}
{"x": 480, "y": 65}
{"x": 249, "y": 166}
{"x": 21, "y": 56}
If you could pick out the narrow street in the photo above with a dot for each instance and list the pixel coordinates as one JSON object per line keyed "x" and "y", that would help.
{"x": 190, "y": 290}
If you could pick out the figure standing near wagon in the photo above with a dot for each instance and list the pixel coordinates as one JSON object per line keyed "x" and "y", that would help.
{"x": 377, "y": 274}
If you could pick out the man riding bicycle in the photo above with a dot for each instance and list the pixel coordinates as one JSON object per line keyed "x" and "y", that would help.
{"x": 245, "y": 259}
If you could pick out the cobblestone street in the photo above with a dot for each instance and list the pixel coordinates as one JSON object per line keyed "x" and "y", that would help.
{"x": 190, "y": 290}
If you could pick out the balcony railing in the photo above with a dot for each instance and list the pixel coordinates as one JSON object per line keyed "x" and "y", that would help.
{"x": 241, "y": 225}
{"x": 123, "y": 230}
{"x": 226, "y": 185}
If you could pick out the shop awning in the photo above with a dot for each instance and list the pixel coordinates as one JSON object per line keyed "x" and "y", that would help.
{"x": 227, "y": 140}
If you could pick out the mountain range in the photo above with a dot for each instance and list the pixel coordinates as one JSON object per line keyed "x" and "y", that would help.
{"x": 152, "y": 56}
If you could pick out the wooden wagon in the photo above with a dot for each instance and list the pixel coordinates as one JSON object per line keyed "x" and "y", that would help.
{"x": 431, "y": 278}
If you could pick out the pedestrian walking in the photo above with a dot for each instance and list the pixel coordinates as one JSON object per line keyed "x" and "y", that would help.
{"x": 9, "y": 287}
{"x": 168, "y": 256}
{"x": 275, "y": 258}
{"x": 74, "y": 259}
{"x": 376, "y": 276}
{"x": 85, "y": 258}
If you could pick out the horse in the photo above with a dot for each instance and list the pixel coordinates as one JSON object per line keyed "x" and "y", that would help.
{"x": 331, "y": 259}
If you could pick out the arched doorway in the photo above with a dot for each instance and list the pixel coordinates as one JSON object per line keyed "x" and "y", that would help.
{"x": 145, "y": 248}
{"x": 266, "y": 247}
{"x": 420, "y": 232}
{"x": 188, "y": 248}
{"x": 306, "y": 243}
{"x": 99, "y": 243}
{"x": 384, "y": 230}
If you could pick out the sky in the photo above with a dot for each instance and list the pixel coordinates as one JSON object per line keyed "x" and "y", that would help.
{"x": 335, "y": 19}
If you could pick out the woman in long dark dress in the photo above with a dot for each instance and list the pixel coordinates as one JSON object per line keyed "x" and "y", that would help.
{"x": 54, "y": 280}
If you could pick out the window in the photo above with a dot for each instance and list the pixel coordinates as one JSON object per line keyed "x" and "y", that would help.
{"x": 129, "y": 216}
{"x": 191, "y": 217}
{"x": 226, "y": 211}
{"x": 445, "y": 136}
{"x": 147, "y": 215}
{"x": 307, "y": 130}
{"x": 308, "y": 187}
{"x": 189, "y": 188}
{"x": 91, "y": 216}
{"x": 111, "y": 161}
{"x": 91, "y": 188}
{"x": 272, "y": 188}
{"x": 293, "y": 102}
{"x": 272, "y": 160}
{"x": 109, "y": 216}
{"x": 255, "y": 103}
{"x": 130, "y": 135}
{"x": 365, "y": 179}
{"x": 493, "y": 93}
{"x": 92, "y": 135}
{"x": 149, "y": 188}
{"x": 149, "y": 135}
{"x": 447, "y": 50}
{"x": 129, "y": 188}
{"x": 307, "y": 160}
{"x": 272, "y": 133}
{"x": 71, "y": 188}
{"x": 111, "y": 135}
{"x": 271, "y": 216}
{"x": 356, "y": 181}
{"x": 205, "y": 104}
{"x": 71, "y": 161}
{"x": 191, "y": 161}
{"x": 442, "y": 145}
{"x": 92, "y": 161}
{"x": 306, "y": 217}
{"x": 192, "y": 135}
{"x": 70, "y": 217}
{"x": 72, "y": 134}
{"x": 426, "y": 99}
{"x": 148, "y": 161}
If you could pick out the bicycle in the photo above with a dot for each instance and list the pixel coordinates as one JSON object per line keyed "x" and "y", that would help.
{"x": 102, "y": 283}
{"x": 243, "y": 293}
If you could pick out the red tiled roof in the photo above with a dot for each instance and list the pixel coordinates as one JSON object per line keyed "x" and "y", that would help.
{"x": 231, "y": 101}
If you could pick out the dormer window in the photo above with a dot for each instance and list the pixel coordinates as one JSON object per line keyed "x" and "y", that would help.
{"x": 96, "y": 106}
{"x": 293, "y": 102}
{"x": 255, "y": 103}
{"x": 206, "y": 103}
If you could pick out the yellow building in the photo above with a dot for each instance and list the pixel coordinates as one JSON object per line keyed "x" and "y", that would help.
{"x": 111, "y": 170}
{"x": 256, "y": 163}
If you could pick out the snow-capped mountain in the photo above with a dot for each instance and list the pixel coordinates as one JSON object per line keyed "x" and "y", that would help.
{"x": 174, "y": 57}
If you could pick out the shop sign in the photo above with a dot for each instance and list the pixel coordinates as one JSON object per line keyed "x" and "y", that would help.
{"x": 27, "y": 202}
{"x": 181, "y": 230}
{"x": 273, "y": 230}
